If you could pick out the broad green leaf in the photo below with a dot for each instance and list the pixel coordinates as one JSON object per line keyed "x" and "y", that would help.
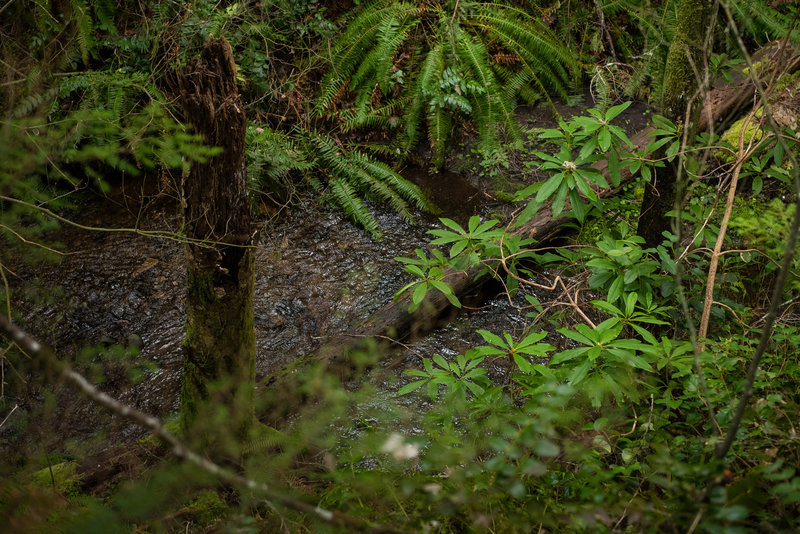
{"x": 523, "y": 364}
{"x": 530, "y": 339}
{"x": 569, "y": 354}
{"x": 491, "y": 338}
{"x": 546, "y": 448}
{"x": 579, "y": 373}
{"x": 419, "y": 293}
{"x": 613, "y": 111}
{"x": 604, "y": 139}
{"x": 416, "y": 271}
{"x": 413, "y": 386}
{"x": 452, "y": 225}
{"x": 549, "y": 188}
{"x": 607, "y": 307}
{"x": 433, "y": 390}
{"x": 615, "y": 290}
{"x": 474, "y": 388}
{"x": 575, "y": 336}
{"x": 458, "y": 247}
{"x": 614, "y": 168}
{"x": 561, "y": 197}
{"x": 527, "y": 214}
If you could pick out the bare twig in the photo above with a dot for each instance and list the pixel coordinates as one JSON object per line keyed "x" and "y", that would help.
{"x": 604, "y": 29}
{"x": 14, "y": 409}
{"x": 777, "y": 291}
{"x": 743, "y": 155}
{"x": 146, "y": 233}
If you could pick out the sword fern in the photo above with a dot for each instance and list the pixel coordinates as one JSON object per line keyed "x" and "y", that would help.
{"x": 439, "y": 64}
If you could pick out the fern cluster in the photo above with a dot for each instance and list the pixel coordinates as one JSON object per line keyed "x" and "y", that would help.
{"x": 339, "y": 175}
{"x": 421, "y": 64}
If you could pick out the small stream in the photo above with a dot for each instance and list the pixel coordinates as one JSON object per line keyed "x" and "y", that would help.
{"x": 317, "y": 275}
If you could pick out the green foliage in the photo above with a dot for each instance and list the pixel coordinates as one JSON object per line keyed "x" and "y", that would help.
{"x": 430, "y": 274}
{"x": 594, "y": 138}
{"x": 41, "y": 159}
{"x": 642, "y": 31}
{"x": 351, "y": 173}
{"x": 607, "y": 424}
{"x": 766, "y": 228}
{"x": 61, "y": 477}
{"x": 440, "y": 62}
{"x": 621, "y": 266}
{"x": 340, "y": 175}
{"x": 458, "y": 376}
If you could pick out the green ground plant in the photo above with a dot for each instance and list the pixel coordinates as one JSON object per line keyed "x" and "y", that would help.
{"x": 431, "y": 63}
{"x": 653, "y": 405}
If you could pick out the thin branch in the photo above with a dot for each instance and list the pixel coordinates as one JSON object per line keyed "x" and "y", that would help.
{"x": 159, "y": 234}
{"x": 680, "y": 181}
{"x": 14, "y": 409}
{"x": 743, "y": 155}
{"x": 777, "y": 291}
{"x": 34, "y": 348}
{"x": 604, "y": 30}
{"x": 34, "y": 243}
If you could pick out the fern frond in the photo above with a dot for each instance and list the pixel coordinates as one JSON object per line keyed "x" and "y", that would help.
{"x": 375, "y": 182}
{"x": 544, "y": 56}
{"x": 352, "y": 120}
{"x": 758, "y": 19}
{"x": 439, "y": 125}
{"x": 351, "y": 46}
{"x": 346, "y": 198}
{"x": 405, "y": 188}
{"x": 84, "y": 28}
{"x": 396, "y": 183}
{"x": 104, "y": 11}
{"x": 421, "y": 90}
{"x": 488, "y": 109}
{"x": 376, "y": 66}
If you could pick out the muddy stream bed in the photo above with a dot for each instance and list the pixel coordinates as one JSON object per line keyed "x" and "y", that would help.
{"x": 317, "y": 275}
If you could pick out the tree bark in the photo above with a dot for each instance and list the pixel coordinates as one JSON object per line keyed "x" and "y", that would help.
{"x": 684, "y": 65}
{"x": 219, "y": 347}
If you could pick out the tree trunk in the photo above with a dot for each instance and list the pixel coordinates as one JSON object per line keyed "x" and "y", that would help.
{"x": 684, "y": 65}
{"x": 219, "y": 347}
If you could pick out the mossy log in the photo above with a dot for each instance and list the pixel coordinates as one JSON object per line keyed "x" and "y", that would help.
{"x": 394, "y": 320}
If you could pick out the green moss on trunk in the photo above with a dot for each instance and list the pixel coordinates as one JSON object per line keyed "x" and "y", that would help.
{"x": 684, "y": 65}
{"x": 219, "y": 365}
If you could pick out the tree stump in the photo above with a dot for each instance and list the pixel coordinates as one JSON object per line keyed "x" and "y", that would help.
{"x": 219, "y": 347}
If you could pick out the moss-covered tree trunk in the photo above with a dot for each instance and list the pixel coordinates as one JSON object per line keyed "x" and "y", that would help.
{"x": 684, "y": 64}
{"x": 219, "y": 365}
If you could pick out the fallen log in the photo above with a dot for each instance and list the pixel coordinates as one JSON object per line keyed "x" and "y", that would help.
{"x": 393, "y": 320}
